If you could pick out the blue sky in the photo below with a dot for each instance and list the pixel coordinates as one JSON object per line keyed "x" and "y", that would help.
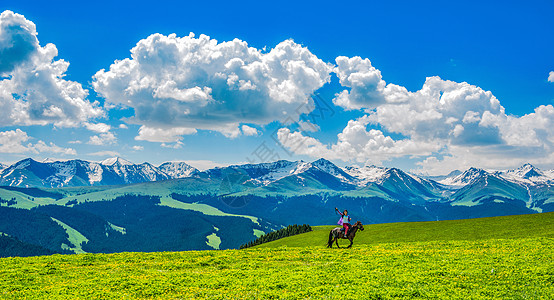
{"x": 487, "y": 102}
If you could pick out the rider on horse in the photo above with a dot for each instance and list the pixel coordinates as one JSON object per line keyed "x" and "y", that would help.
{"x": 344, "y": 220}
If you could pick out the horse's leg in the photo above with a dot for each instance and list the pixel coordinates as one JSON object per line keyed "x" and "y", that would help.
{"x": 337, "y": 242}
{"x": 351, "y": 242}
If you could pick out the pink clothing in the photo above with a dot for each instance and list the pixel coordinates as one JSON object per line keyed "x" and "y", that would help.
{"x": 345, "y": 225}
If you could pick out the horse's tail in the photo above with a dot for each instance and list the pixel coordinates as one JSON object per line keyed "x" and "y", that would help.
{"x": 330, "y": 242}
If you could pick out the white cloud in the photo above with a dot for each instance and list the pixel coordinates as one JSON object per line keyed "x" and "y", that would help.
{"x": 249, "y": 131}
{"x": 356, "y": 144}
{"x": 12, "y": 141}
{"x": 106, "y": 153}
{"x": 205, "y": 164}
{"x": 123, "y": 126}
{"x": 367, "y": 88}
{"x": 551, "y": 76}
{"x": 138, "y": 148}
{"x": 365, "y": 83}
{"x": 176, "y": 145}
{"x": 162, "y": 135}
{"x": 434, "y": 112}
{"x": 200, "y": 83}
{"x": 98, "y": 127}
{"x": 41, "y": 147}
{"x": 442, "y": 126}
{"x": 107, "y": 138}
{"x": 307, "y": 126}
{"x": 34, "y": 91}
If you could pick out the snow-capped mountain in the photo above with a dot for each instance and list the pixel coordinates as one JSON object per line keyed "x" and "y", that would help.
{"x": 528, "y": 175}
{"x": 177, "y": 169}
{"x": 112, "y": 171}
{"x": 266, "y": 174}
{"x": 115, "y": 161}
{"x": 532, "y": 187}
{"x": 464, "y": 178}
{"x": 367, "y": 174}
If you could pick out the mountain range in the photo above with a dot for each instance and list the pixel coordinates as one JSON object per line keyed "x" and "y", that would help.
{"x": 48, "y": 173}
{"x": 115, "y": 205}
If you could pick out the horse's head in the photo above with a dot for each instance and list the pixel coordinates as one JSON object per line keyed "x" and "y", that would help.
{"x": 359, "y": 225}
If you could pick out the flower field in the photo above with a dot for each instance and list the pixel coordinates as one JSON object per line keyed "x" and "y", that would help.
{"x": 481, "y": 269}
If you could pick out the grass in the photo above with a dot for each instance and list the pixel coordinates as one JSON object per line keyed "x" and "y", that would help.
{"x": 492, "y": 258}
{"x": 493, "y": 269}
{"x": 507, "y": 227}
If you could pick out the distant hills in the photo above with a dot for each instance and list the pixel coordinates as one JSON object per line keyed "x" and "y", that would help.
{"x": 115, "y": 205}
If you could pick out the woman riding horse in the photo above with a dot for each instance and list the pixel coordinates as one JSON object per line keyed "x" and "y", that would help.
{"x": 336, "y": 234}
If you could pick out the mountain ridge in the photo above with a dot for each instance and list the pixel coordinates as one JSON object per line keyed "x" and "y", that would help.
{"x": 116, "y": 170}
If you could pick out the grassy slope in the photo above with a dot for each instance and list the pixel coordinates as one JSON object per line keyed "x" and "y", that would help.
{"x": 448, "y": 260}
{"x": 520, "y": 226}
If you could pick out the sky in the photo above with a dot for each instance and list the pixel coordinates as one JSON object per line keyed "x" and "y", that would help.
{"x": 425, "y": 86}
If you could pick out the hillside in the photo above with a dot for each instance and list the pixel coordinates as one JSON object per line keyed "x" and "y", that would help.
{"x": 490, "y": 258}
{"x": 507, "y": 227}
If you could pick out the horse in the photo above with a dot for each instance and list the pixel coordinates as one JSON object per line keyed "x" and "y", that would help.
{"x": 337, "y": 233}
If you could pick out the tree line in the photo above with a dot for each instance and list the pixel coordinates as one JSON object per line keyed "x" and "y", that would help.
{"x": 278, "y": 234}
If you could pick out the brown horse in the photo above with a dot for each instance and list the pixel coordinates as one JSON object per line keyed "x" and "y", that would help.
{"x": 337, "y": 233}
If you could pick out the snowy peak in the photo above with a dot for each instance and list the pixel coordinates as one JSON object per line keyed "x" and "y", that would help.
{"x": 527, "y": 171}
{"x": 177, "y": 169}
{"x": 367, "y": 174}
{"x": 465, "y": 178}
{"x": 267, "y": 173}
{"x": 329, "y": 167}
{"x": 528, "y": 174}
{"x": 115, "y": 160}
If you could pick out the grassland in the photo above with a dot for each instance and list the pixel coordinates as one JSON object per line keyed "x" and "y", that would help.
{"x": 507, "y": 227}
{"x": 517, "y": 265}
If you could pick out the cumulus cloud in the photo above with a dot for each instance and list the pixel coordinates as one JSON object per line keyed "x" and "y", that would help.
{"x": 106, "y": 153}
{"x": 444, "y": 125}
{"x": 138, "y": 148}
{"x": 102, "y": 139}
{"x": 200, "y": 83}
{"x": 15, "y": 141}
{"x": 367, "y": 89}
{"x": 162, "y": 135}
{"x": 551, "y": 76}
{"x": 444, "y": 110}
{"x": 249, "y": 131}
{"x": 98, "y": 127}
{"x": 41, "y": 146}
{"x": 356, "y": 143}
{"x": 33, "y": 90}
{"x": 205, "y": 164}
{"x": 176, "y": 145}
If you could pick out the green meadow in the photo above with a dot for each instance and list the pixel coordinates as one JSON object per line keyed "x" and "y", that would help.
{"x": 490, "y": 258}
